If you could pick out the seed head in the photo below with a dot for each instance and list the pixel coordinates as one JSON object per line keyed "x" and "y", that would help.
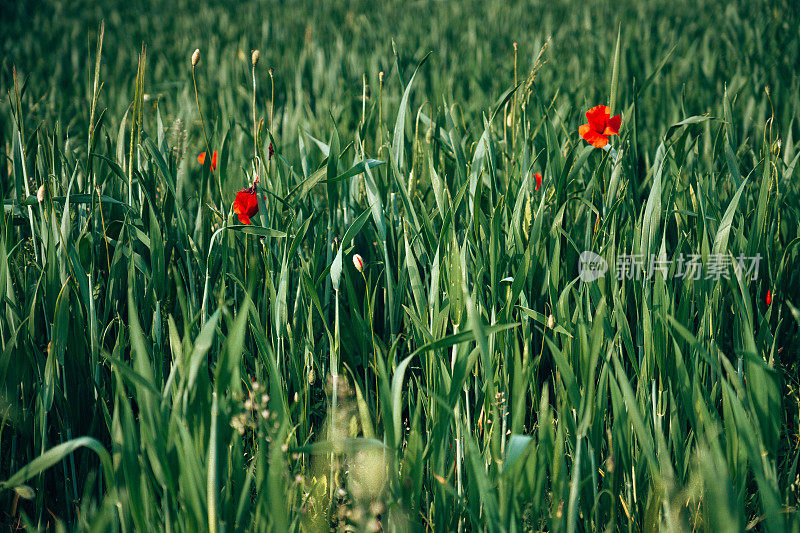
{"x": 358, "y": 262}
{"x": 40, "y": 194}
{"x": 776, "y": 148}
{"x": 551, "y": 321}
{"x": 196, "y": 57}
{"x": 254, "y": 55}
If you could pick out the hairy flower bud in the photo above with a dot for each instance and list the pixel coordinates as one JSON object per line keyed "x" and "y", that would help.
{"x": 254, "y": 55}
{"x": 527, "y": 219}
{"x": 358, "y": 262}
{"x": 40, "y": 194}
{"x": 196, "y": 57}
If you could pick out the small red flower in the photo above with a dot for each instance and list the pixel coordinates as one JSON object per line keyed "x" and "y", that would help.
{"x": 538, "y": 180}
{"x": 271, "y": 151}
{"x": 601, "y": 125}
{"x": 246, "y": 204}
{"x": 769, "y": 297}
{"x": 202, "y": 160}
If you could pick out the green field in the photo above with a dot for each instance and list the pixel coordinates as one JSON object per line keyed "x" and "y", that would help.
{"x": 405, "y": 336}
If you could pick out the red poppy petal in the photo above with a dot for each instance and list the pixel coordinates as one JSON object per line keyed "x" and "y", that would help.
{"x": 597, "y": 140}
{"x": 241, "y": 203}
{"x": 614, "y": 123}
{"x": 237, "y": 204}
{"x": 201, "y": 158}
{"x": 538, "y": 180}
{"x": 245, "y": 205}
{"x": 594, "y": 138}
{"x": 598, "y": 117}
{"x": 214, "y": 161}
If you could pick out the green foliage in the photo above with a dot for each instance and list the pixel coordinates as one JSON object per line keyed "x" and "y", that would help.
{"x": 164, "y": 366}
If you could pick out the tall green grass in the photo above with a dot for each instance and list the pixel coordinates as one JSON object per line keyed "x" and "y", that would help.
{"x": 165, "y": 367}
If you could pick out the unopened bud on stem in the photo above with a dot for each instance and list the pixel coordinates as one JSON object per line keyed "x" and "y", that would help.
{"x": 358, "y": 262}
{"x": 254, "y": 57}
{"x": 196, "y": 57}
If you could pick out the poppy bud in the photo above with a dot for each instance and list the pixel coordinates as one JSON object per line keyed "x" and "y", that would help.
{"x": 40, "y": 194}
{"x": 769, "y": 297}
{"x": 551, "y": 321}
{"x": 196, "y": 57}
{"x": 528, "y": 218}
{"x": 358, "y": 262}
{"x": 254, "y": 55}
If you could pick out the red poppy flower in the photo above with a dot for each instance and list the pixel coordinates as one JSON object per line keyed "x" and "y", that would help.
{"x": 769, "y": 297}
{"x": 600, "y": 127}
{"x": 538, "y": 180}
{"x": 202, "y": 160}
{"x": 246, "y": 204}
